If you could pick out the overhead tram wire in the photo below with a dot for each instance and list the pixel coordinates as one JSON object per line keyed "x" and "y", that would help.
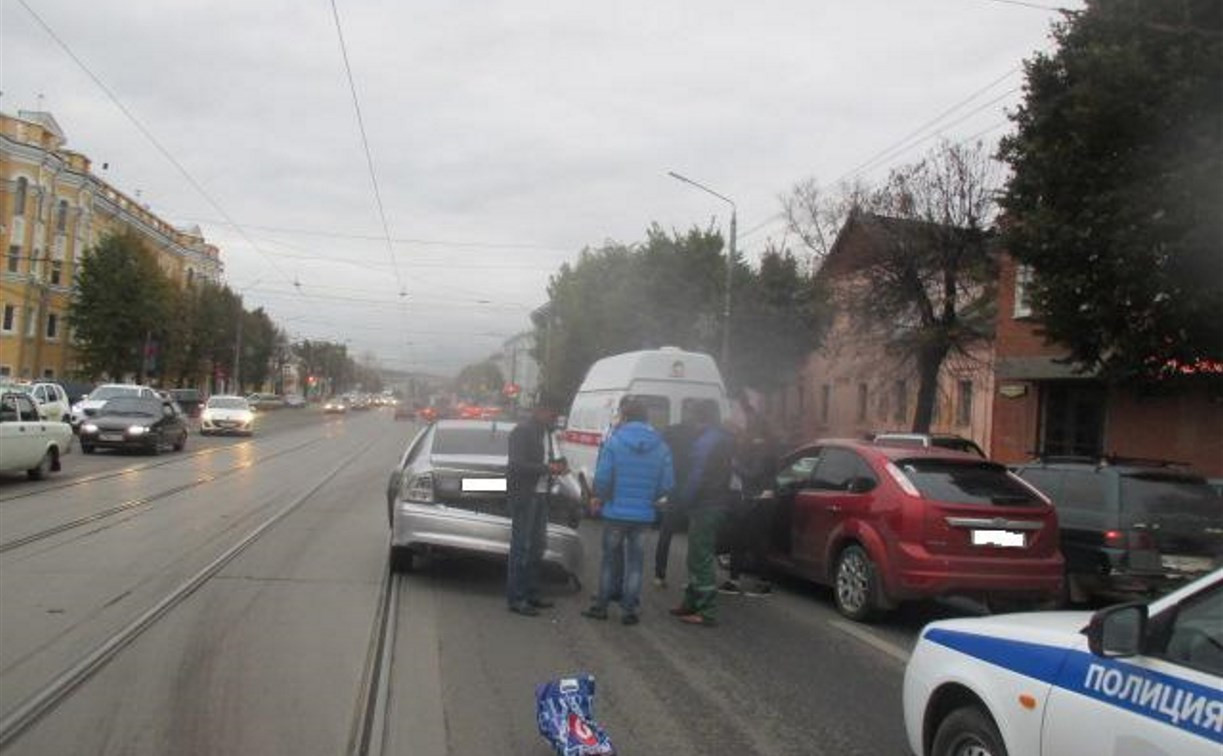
{"x": 396, "y": 240}
{"x": 152, "y": 139}
{"x": 369, "y": 158}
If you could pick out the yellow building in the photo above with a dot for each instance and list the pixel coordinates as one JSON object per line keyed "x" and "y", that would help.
{"x": 53, "y": 209}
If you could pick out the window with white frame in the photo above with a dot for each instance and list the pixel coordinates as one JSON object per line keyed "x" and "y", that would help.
{"x": 13, "y": 261}
{"x": 9, "y": 322}
{"x": 1023, "y": 284}
{"x": 61, "y": 217}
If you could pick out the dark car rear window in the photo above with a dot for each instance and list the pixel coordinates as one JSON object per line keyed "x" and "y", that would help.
{"x": 492, "y": 441}
{"x": 1162, "y": 494}
{"x": 959, "y": 483}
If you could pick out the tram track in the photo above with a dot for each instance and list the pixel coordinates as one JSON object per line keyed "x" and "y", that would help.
{"x": 63, "y": 685}
{"x": 143, "y": 501}
{"x": 367, "y": 733}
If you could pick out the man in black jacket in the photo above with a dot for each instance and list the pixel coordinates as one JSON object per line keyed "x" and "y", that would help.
{"x": 531, "y": 466}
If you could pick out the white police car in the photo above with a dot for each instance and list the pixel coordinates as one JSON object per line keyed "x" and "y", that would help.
{"x": 1129, "y": 679}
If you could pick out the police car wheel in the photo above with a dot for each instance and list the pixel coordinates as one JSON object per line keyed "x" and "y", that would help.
{"x": 967, "y": 732}
{"x": 855, "y": 584}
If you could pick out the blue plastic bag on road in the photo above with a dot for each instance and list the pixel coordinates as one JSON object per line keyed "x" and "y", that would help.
{"x": 565, "y": 710}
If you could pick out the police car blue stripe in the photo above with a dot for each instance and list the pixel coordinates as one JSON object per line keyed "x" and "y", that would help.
{"x": 1182, "y": 703}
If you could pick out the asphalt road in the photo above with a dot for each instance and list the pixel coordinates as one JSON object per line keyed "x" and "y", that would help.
{"x": 225, "y": 600}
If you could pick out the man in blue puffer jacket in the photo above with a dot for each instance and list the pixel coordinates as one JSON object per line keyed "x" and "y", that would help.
{"x": 634, "y": 471}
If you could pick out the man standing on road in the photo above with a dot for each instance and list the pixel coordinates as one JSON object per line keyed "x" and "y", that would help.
{"x": 530, "y": 462}
{"x": 679, "y": 440}
{"x": 633, "y": 472}
{"x": 705, "y": 497}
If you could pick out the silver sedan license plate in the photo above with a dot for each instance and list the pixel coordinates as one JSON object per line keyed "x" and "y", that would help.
{"x": 110, "y": 436}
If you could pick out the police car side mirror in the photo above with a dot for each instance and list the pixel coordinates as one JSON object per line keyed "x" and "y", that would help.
{"x": 1118, "y": 631}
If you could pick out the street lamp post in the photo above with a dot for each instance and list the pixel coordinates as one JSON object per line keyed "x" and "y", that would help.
{"x": 730, "y": 262}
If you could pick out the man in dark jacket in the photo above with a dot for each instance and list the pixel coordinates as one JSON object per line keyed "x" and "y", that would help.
{"x": 633, "y": 472}
{"x": 531, "y": 465}
{"x": 706, "y": 496}
{"x": 679, "y": 438}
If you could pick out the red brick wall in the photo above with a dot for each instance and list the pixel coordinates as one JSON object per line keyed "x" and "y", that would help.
{"x": 1184, "y": 427}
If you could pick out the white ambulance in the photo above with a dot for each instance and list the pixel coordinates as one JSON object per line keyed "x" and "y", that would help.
{"x": 669, "y": 381}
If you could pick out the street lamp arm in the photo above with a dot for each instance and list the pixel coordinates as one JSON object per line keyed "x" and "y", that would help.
{"x": 702, "y": 187}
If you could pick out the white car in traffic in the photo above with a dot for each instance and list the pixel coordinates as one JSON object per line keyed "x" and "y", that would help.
{"x": 1129, "y": 679}
{"x": 227, "y": 414}
{"x": 28, "y": 442}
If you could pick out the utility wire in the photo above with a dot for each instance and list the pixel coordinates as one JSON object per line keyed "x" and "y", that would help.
{"x": 152, "y": 139}
{"x": 369, "y": 158}
{"x": 903, "y": 143}
{"x": 1035, "y": 6}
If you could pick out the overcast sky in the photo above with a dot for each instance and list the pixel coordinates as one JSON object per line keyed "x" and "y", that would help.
{"x": 505, "y": 136}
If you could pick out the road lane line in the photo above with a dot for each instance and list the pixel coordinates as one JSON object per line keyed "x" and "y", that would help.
{"x": 872, "y": 640}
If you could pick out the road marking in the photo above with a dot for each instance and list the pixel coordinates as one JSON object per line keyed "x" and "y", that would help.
{"x": 872, "y": 640}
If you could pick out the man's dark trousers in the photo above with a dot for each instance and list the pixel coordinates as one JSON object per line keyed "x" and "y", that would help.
{"x": 528, "y": 537}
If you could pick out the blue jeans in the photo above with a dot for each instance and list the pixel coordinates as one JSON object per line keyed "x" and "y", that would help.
{"x": 623, "y": 548}
{"x": 528, "y": 537}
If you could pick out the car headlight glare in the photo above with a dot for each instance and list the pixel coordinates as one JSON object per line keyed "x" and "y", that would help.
{"x": 137, "y": 430}
{"x": 89, "y": 428}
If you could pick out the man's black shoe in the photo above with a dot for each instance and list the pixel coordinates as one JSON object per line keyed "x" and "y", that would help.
{"x": 539, "y": 603}
{"x": 595, "y": 612}
{"x": 629, "y": 619}
{"x": 525, "y": 610}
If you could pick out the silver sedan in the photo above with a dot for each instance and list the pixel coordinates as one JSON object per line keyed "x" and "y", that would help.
{"x": 448, "y": 493}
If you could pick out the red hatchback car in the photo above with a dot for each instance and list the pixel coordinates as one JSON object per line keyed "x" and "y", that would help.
{"x": 888, "y": 524}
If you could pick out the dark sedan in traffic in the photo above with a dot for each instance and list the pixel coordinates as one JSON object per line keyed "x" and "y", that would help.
{"x": 138, "y": 423}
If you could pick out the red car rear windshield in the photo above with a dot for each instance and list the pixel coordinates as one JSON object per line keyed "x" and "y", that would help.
{"x": 967, "y": 483}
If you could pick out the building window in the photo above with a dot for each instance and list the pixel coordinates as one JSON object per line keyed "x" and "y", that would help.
{"x": 963, "y": 414}
{"x": 902, "y": 402}
{"x": 57, "y": 272}
{"x": 61, "y": 216}
{"x": 6, "y": 371}
{"x": 23, "y": 186}
{"x": 862, "y": 402}
{"x": 9, "y": 324}
{"x": 48, "y": 373}
{"x": 13, "y": 264}
{"x": 52, "y": 325}
{"x": 825, "y": 402}
{"x": 1023, "y": 284}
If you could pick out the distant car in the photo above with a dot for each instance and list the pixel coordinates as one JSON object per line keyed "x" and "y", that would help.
{"x": 227, "y": 414}
{"x": 133, "y": 422}
{"x": 190, "y": 400}
{"x": 265, "y": 402}
{"x": 426, "y": 414}
{"x": 448, "y": 493}
{"x": 885, "y": 524}
{"x": 358, "y": 402}
{"x": 335, "y": 405}
{"x": 29, "y": 442}
{"x": 1130, "y": 679}
{"x": 929, "y": 440}
{"x": 1130, "y": 530}
{"x": 51, "y": 399}
{"x": 88, "y": 407}
{"x": 295, "y": 401}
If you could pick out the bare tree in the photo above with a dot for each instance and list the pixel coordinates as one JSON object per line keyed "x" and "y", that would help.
{"x": 925, "y": 286}
{"x": 933, "y": 279}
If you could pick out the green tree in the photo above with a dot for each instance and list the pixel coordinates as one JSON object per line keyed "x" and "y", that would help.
{"x": 1117, "y": 182}
{"x": 481, "y": 381}
{"x": 119, "y": 306}
{"x": 670, "y": 291}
